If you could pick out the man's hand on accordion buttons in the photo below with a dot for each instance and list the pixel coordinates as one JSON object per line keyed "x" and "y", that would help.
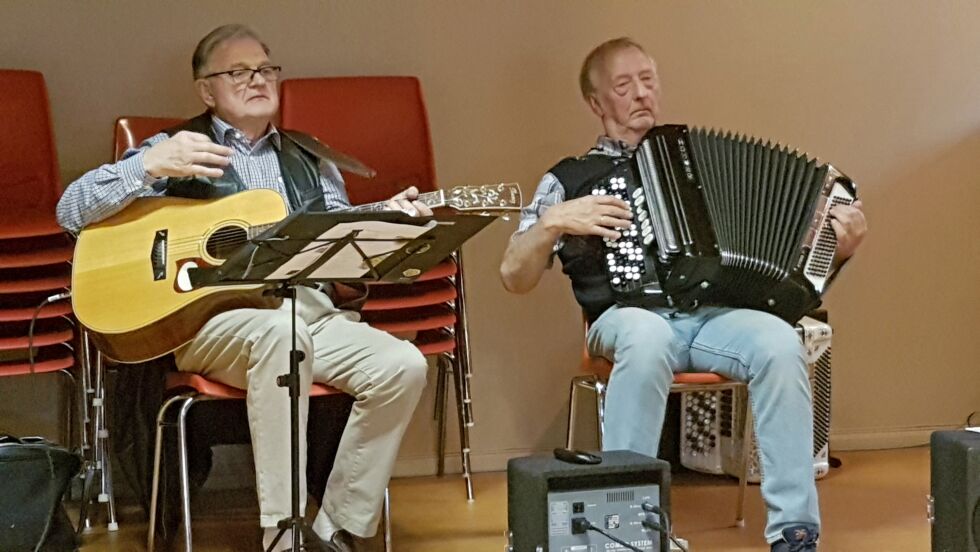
{"x": 594, "y": 215}
{"x": 850, "y": 227}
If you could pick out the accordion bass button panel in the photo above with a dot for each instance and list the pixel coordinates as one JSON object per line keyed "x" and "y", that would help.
{"x": 625, "y": 257}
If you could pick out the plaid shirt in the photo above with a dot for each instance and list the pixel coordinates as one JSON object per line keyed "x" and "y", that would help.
{"x": 551, "y": 192}
{"x": 106, "y": 190}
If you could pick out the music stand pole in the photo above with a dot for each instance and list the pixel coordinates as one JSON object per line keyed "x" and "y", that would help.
{"x": 291, "y": 380}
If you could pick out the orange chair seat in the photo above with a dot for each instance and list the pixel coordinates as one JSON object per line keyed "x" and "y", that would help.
{"x": 61, "y": 308}
{"x": 33, "y": 251}
{"x": 700, "y": 378}
{"x": 417, "y": 319}
{"x": 41, "y": 339}
{"x": 211, "y": 388}
{"x": 401, "y": 296}
{"x": 602, "y": 368}
{"x": 435, "y": 342}
{"x": 31, "y": 226}
{"x": 47, "y": 363}
{"x": 35, "y": 284}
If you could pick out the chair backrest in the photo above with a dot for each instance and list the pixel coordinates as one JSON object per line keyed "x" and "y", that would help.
{"x": 28, "y": 159}
{"x": 131, "y": 131}
{"x": 381, "y": 121}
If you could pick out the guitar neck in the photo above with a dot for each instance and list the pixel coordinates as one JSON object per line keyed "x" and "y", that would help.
{"x": 429, "y": 199}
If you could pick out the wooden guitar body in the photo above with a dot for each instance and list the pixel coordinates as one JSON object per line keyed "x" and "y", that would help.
{"x": 127, "y": 284}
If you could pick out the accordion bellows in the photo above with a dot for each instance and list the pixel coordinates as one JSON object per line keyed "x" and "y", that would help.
{"x": 723, "y": 219}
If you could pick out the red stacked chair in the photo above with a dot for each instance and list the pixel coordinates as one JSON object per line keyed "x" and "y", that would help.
{"x": 382, "y": 121}
{"x": 35, "y": 254}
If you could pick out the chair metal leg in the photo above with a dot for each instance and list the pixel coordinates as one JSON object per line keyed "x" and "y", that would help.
{"x": 464, "y": 432}
{"x": 463, "y": 368}
{"x": 185, "y": 484}
{"x": 83, "y": 411}
{"x": 442, "y": 402}
{"x": 102, "y": 444}
{"x": 747, "y": 432}
{"x": 157, "y": 460}
{"x": 597, "y": 386}
{"x": 70, "y": 412}
{"x": 386, "y": 515}
{"x": 443, "y": 421}
{"x": 572, "y": 401}
{"x": 600, "y": 410}
{"x": 113, "y": 525}
{"x": 87, "y": 482}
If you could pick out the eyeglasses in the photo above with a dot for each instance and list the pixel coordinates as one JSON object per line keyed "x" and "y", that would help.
{"x": 245, "y": 76}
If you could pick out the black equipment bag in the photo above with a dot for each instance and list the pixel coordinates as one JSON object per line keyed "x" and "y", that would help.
{"x": 34, "y": 475}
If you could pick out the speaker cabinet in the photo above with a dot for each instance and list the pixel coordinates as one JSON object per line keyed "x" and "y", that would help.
{"x": 955, "y": 500}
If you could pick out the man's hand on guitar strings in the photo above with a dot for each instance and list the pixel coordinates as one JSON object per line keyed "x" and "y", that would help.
{"x": 186, "y": 154}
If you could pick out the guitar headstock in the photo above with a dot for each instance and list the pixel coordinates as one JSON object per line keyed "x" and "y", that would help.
{"x": 486, "y": 199}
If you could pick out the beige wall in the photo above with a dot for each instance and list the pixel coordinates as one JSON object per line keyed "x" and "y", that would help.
{"x": 887, "y": 91}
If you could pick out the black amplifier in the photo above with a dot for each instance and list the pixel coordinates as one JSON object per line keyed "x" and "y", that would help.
{"x": 955, "y": 500}
{"x": 570, "y": 505}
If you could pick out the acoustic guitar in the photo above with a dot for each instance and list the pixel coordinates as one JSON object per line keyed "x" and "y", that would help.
{"x": 130, "y": 287}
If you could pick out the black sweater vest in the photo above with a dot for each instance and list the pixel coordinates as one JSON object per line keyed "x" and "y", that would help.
{"x": 583, "y": 258}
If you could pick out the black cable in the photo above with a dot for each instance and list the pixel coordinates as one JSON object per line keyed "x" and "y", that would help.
{"x": 664, "y": 530}
{"x": 582, "y": 524}
{"x": 30, "y": 337}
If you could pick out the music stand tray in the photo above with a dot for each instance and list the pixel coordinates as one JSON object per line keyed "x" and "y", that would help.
{"x": 344, "y": 247}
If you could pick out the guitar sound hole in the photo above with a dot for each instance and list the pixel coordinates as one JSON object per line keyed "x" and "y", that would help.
{"x": 225, "y": 240}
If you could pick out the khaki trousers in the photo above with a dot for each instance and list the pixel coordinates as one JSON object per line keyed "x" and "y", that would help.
{"x": 249, "y": 348}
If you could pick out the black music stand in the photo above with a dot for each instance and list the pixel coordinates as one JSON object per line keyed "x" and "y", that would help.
{"x": 335, "y": 247}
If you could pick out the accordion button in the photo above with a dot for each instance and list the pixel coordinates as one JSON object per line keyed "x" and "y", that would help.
{"x": 647, "y": 239}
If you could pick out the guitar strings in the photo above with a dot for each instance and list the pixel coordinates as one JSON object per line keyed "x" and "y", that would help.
{"x": 188, "y": 244}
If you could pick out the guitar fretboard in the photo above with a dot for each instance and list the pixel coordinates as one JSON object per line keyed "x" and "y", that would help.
{"x": 429, "y": 199}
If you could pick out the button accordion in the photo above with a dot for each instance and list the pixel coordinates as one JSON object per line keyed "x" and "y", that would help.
{"x": 723, "y": 219}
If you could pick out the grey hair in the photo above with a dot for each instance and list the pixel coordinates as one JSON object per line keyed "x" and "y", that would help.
{"x": 215, "y": 38}
{"x": 598, "y": 56}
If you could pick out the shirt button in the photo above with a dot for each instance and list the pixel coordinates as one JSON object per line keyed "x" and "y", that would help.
{"x": 279, "y": 179}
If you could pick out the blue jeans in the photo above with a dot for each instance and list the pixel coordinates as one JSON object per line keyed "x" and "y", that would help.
{"x": 647, "y": 346}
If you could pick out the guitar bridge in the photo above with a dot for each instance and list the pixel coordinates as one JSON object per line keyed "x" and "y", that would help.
{"x": 158, "y": 255}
